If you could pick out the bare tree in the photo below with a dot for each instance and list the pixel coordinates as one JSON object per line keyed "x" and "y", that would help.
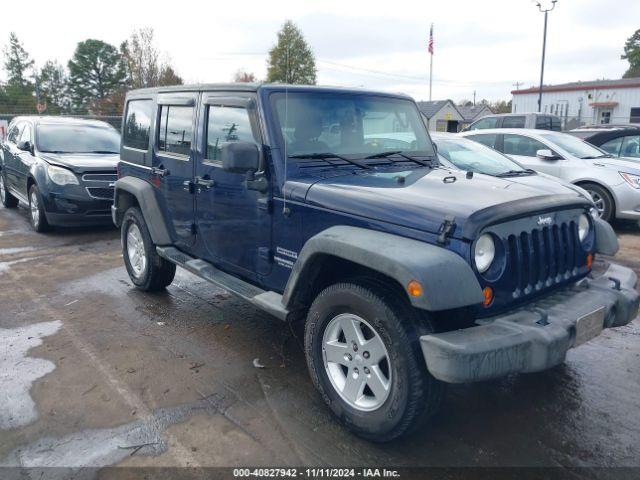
{"x": 242, "y": 76}
{"x": 145, "y": 66}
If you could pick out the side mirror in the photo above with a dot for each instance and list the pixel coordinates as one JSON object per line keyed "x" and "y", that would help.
{"x": 240, "y": 157}
{"x": 546, "y": 154}
{"x": 25, "y": 146}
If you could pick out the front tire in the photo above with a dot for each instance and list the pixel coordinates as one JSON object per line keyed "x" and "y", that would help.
{"x": 37, "y": 215}
{"x": 8, "y": 200}
{"x": 363, "y": 353}
{"x": 603, "y": 200}
{"x": 147, "y": 270}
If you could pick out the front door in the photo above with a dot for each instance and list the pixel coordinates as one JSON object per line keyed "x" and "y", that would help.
{"x": 523, "y": 149}
{"x": 233, "y": 220}
{"x": 23, "y": 161}
{"x": 11, "y": 159}
{"x": 173, "y": 163}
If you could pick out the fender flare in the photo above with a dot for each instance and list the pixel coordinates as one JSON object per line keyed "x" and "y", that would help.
{"x": 446, "y": 278}
{"x": 151, "y": 211}
{"x": 606, "y": 239}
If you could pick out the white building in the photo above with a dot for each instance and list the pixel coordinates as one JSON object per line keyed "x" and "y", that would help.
{"x": 580, "y": 103}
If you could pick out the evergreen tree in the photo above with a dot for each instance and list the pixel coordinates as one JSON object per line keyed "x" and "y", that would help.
{"x": 52, "y": 87}
{"x": 17, "y": 63}
{"x": 632, "y": 54}
{"x": 291, "y": 60}
{"x": 96, "y": 73}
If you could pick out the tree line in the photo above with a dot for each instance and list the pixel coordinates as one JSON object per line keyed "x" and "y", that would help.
{"x": 94, "y": 81}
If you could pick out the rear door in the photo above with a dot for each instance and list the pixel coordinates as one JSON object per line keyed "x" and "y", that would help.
{"x": 233, "y": 220}
{"x": 173, "y": 162}
{"x": 11, "y": 156}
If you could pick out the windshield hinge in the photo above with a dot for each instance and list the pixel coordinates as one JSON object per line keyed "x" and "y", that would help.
{"x": 446, "y": 229}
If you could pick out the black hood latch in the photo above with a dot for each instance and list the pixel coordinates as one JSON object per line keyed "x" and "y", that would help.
{"x": 446, "y": 229}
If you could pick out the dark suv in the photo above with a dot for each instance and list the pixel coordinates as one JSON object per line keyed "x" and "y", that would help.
{"x": 64, "y": 169}
{"x": 328, "y": 206}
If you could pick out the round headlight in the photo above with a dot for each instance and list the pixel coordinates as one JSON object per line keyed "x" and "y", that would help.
{"x": 583, "y": 227}
{"x": 485, "y": 252}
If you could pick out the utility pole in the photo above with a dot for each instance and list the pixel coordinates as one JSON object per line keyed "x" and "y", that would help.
{"x": 474, "y": 98}
{"x": 517, "y": 85}
{"x": 544, "y": 46}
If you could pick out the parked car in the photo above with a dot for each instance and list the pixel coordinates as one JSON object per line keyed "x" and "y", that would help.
{"x": 618, "y": 140}
{"x": 613, "y": 183}
{"x": 465, "y": 154}
{"x": 64, "y": 169}
{"x": 407, "y": 275}
{"x": 541, "y": 121}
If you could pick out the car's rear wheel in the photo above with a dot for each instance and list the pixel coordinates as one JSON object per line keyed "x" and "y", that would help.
{"x": 8, "y": 200}
{"x": 37, "y": 215}
{"x": 602, "y": 199}
{"x": 147, "y": 270}
{"x": 363, "y": 353}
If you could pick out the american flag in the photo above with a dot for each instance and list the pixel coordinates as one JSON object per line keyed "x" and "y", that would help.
{"x": 431, "y": 40}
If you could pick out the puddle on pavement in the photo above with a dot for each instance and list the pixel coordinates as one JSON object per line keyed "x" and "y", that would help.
{"x": 18, "y": 371}
{"x": 13, "y": 250}
{"x": 102, "y": 447}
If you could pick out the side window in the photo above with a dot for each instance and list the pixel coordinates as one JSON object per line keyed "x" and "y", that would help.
{"x": 14, "y": 134}
{"x": 631, "y": 146}
{"x": 137, "y": 124}
{"x": 489, "y": 122}
{"x": 486, "y": 139}
{"x": 634, "y": 115}
{"x": 524, "y": 146}
{"x": 513, "y": 122}
{"x": 176, "y": 129}
{"x": 556, "y": 124}
{"x": 224, "y": 125}
{"x": 613, "y": 146}
{"x": 543, "y": 122}
{"x": 26, "y": 134}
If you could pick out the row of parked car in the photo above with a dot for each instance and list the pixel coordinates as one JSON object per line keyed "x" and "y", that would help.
{"x": 413, "y": 261}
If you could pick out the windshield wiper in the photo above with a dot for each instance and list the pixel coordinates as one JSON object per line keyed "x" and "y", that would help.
{"x": 426, "y": 163}
{"x": 516, "y": 173}
{"x": 102, "y": 151}
{"x": 590, "y": 157}
{"x": 328, "y": 155}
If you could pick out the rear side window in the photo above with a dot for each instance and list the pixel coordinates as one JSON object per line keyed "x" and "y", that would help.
{"x": 14, "y": 133}
{"x": 513, "y": 122}
{"x": 137, "y": 124}
{"x": 488, "y": 139}
{"x": 176, "y": 129}
{"x": 488, "y": 122}
{"x": 612, "y": 146}
{"x": 224, "y": 125}
{"x": 524, "y": 146}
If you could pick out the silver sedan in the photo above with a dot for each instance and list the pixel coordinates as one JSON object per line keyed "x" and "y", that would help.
{"x": 613, "y": 183}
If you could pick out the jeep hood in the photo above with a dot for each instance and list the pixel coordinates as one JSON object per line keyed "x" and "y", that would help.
{"x": 82, "y": 162}
{"x": 422, "y": 199}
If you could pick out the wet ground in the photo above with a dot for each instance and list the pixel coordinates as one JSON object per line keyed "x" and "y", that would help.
{"x": 95, "y": 373}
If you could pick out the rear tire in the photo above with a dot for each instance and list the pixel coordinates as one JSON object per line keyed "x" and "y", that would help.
{"x": 602, "y": 198}
{"x": 8, "y": 200}
{"x": 147, "y": 270}
{"x": 411, "y": 395}
{"x": 37, "y": 215}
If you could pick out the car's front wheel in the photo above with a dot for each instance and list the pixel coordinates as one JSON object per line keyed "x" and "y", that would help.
{"x": 363, "y": 353}
{"x": 8, "y": 200}
{"x": 147, "y": 270}
{"x": 37, "y": 215}
{"x": 602, "y": 199}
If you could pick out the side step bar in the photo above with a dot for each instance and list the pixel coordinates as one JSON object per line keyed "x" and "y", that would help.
{"x": 270, "y": 302}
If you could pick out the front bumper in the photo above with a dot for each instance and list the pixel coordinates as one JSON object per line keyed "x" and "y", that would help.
{"x": 535, "y": 337}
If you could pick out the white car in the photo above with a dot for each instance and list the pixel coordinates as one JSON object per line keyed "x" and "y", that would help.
{"x": 613, "y": 183}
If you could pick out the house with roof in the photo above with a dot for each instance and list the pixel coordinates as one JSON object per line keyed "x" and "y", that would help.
{"x": 441, "y": 115}
{"x": 580, "y": 103}
{"x": 470, "y": 113}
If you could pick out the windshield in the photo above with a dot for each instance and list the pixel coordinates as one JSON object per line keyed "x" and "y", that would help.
{"x": 349, "y": 124}
{"x": 473, "y": 156}
{"x": 77, "y": 139}
{"x": 573, "y": 145}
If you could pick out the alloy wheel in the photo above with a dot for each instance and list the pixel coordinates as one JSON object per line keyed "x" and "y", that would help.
{"x": 2, "y": 192}
{"x": 356, "y": 362}
{"x": 598, "y": 201}
{"x": 135, "y": 250}
{"x": 35, "y": 209}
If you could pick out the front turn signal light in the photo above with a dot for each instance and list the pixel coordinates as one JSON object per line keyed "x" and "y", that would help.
{"x": 487, "y": 293}
{"x": 589, "y": 261}
{"x": 414, "y": 288}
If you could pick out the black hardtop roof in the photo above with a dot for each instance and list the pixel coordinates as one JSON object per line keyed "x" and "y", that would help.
{"x": 254, "y": 87}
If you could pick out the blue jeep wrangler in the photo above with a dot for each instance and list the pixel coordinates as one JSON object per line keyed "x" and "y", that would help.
{"x": 329, "y": 205}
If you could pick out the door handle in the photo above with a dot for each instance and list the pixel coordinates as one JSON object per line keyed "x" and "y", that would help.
{"x": 204, "y": 182}
{"x": 159, "y": 171}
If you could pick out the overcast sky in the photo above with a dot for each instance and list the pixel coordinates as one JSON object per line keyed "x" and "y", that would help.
{"x": 486, "y": 46}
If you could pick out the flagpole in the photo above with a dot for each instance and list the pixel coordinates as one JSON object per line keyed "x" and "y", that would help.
{"x": 431, "y": 61}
